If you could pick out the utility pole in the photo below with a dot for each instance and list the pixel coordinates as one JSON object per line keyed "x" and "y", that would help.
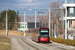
{"x": 24, "y": 23}
{"x": 6, "y": 24}
{"x": 65, "y": 19}
{"x": 35, "y": 19}
{"x": 52, "y": 28}
{"x": 49, "y": 21}
{"x": 57, "y": 27}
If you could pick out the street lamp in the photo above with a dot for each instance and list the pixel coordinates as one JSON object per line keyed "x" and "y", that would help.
{"x": 30, "y": 9}
{"x": 35, "y": 17}
{"x": 49, "y": 17}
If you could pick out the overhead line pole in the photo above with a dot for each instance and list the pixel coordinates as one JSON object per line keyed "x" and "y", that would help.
{"x": 35, "y": 19}
{"x": 24, "y": 23}
{"x": 52, "y": 28}
{"x": 65, "y": 19}
{"x": 57, "y": 27}
{"x": 49, "y": 21}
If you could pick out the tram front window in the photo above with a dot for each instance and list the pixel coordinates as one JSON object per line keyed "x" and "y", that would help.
{"x": 44, "y": 33}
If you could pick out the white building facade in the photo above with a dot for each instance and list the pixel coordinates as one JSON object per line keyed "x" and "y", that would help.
{"x": 70, "y": 16}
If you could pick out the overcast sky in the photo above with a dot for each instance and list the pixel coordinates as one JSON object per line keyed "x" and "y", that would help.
{"x": 20, "y": 5}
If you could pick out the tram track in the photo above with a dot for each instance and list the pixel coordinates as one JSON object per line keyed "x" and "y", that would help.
{"x": 56, "y": 46}
{"x": 37, "y": 47}
{"x": 24, "y": 47}
{"x": 29, "y": 44}
{"x": 25, "y": 43}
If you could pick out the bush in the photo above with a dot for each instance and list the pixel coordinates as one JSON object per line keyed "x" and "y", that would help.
{"x": 63, "y": 41}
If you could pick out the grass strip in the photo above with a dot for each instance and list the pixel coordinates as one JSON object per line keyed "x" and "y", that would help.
{"x": 5, "y": 43}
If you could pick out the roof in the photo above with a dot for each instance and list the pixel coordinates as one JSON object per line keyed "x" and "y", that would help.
{"x": 30, "y": 18}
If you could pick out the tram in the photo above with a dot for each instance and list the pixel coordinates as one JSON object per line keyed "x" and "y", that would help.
{"x": 41, "y": 34}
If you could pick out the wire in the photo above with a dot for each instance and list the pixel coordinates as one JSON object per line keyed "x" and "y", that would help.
{"x": 29, "y": 4}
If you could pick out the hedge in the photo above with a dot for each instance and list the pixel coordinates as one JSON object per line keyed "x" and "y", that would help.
{"x": 63, "y": 41}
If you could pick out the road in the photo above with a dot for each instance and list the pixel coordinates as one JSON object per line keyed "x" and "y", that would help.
{"x": 25, "y": 43}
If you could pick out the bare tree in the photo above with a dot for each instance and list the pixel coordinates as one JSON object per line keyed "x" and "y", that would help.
{"x": 56, "y": 14}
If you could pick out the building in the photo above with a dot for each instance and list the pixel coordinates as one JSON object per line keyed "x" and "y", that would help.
{"x": 71, "y": 36}
{"x": 29, "y": 22}
{"x": 22, "y": 26}
{"x": 70, "y": 16}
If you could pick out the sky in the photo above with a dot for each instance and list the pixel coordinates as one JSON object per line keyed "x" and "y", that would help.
{"x": 22, "y": 5}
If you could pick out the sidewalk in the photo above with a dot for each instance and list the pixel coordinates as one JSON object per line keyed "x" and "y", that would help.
{"x": 14, "y": 44}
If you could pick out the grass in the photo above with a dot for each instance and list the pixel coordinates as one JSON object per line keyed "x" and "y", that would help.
{"x": 5, "y": 43}
{"x": 11, "y": 33}
{"x": 14, "y": 33}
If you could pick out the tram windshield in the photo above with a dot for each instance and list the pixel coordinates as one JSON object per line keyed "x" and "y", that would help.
{"x": 44, "y": 33}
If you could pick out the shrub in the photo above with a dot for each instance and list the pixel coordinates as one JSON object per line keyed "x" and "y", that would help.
{"x": 63, "y": 41}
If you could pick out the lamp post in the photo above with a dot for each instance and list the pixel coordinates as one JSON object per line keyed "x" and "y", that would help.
{"x": 49, "y": 17}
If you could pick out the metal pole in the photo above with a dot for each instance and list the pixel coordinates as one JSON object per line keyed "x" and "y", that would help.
{"x": 24, "y": 23}
{"x": 57, "y": 27}
{"x": 35, "y": 19}
{"x": 49, "y": 21}
{"x": 52, "y": 28}
{"x": 6, "y": 23}
{"x": 65, "y": 19}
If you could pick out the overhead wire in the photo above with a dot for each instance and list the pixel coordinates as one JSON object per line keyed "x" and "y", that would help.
{"x": 29, "y": 4}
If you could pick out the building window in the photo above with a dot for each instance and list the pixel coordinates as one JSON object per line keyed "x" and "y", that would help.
{"x": 71, "y": 9}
